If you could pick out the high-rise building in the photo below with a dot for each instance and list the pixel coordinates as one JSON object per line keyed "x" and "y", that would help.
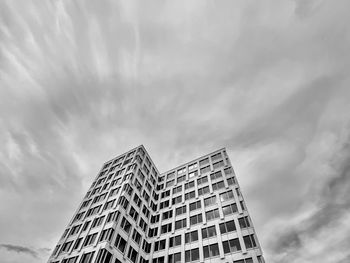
{"x": 131, "y": 213}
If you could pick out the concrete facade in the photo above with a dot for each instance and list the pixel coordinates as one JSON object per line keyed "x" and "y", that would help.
{"x": 131, "y": 213}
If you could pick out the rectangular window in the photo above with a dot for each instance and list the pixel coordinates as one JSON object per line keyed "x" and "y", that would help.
{"x": 229, "y": 209}
{"x": 195, "y": 205}
{"x": 136, "y": 236}
{"x": 109, "y": 205}
{"x": 216, "y": 175}
{"x": 231, "y": 181}
{"x": 168, "y": 214}
{"x": 208, "y": 232}
{"x": 181, "y": 178}
{"x": 244, "y": 222}
{"x": 210, "y": 201}
{"x": 226, "y": 196}
{"x": 175, "y": 241}
{"x": 190, "y": 195}
{"x": 90, "y": 239}
{"x": 249, "y": 241}
{"x": 177, "y": 189}
{"x": 205, "y": 169}
{"x": 177, "y": 200}
{"x": 203, "y": 190}
{"x": 216, "y": 157}
{"x": 204, "y": 162}
{"x": 159, "y": 245}
{"x": 166, "y": 228}
{"x": 123, "y": 202}
{"x": 125, "y": 225}
{"x": 165, "y": 194}
{"x": 132, "y": 254}
{"x": 192, "y": 255}
{"x": 189, "y": 185}
{"x": 191, "y": 236}
{"x": 87, "y": 257}
{"x": 228, "y": 226}
{"x": 120, "y": 243}
{"x": 211, "y": 251}
{"x": 158, "y": 260}
{"x": 106, "y": 235}
{"x": 170, "y": 183}
{"x": 218, "y": 185}
{"x": 231, "y": 246}
{"x": 181, "y": 210}
{"x": 196, "y": 219}
{"x": 137, "y": 200}
{"x": 174, "y": 258}
{"x": 212, "y": 214}
{"x": 77, "y": 243}
{"x": 180, "y": 224}
{"x": 113, "y": 216}
{"x": 146, "y": 246}
{"x": 154, "y": 219}
{"x": 218, "y": 164}
{"x": 69, "y": 260}
{"x": 202, "y": 180}
{"x": 143, "y": 225}
{"x": 171, "y": 176}
{"x": 134, "y": 215}
{"x": 192, "y": 166}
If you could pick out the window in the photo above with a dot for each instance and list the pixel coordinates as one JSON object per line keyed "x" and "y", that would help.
{"x": 181, "y": 210}
{"x": 77, "y": 243}
{"x": 136, "y": 236}
{"x": 177, "y": 189}
{"x": 146, "y": 246}
{"x": 227, "y": 227}
{"x": 120, "y": 243}
{"x": 192, "y": 166}
{"x": 249, "y": 241}
{"x": 152, "y": 232}
{"x": 167, "y": 214}
{"x": 242, "y": 205}
{"x": 191, "y": 236}
{"x": 247, "y": 260}
{"x": 134, "y": 215}
{"x": 218, "y": 185}
{"x": 69, "y": 260}
{"x": 85, "y": 226}
{"x": 138, "y": 185}
{"x": 143, "y": 225}
{"x": 181, "y": 178}
{"x": 164, "y": 204}
{"x": 181, "y": 170}
{"x": 137, "y": 200}
{"x": 165, "y": 194}
{"x": 180, "y": 224}
{"x": 125, "y": 225}
{"x": 211, "y": 250}
{"x": 203, "y": 162}
{"x": 238, "y": 192}
{"x": 170, "y": 183}
{"x": 106, "y": 235}
{"x": 90, "y": 239}
{"x": 114, "y": 191}
{"x": 159, "y": 245}
{"x": 218, "y": 164}
{"x": 132, "y": 254}
{"x": 113, "y": 216}
{"x": 128, "y": 189}
{"x": 212, "y": 214}
{"x": 192, "y": 255}
{"x": 202, "y": 180}
{"x": 145, "y": 211}
{"x": 166, "y": 228}
{"x": 66, "y": 246}
{"x": 177, "y": 200}
{"x": 208, "y": 232}
{"x": 203, "y": 190}
{"x": 189, "y": 185}
{"x": 216, "y": 157}
{"x": 174, "y": 258}
{"x": 210, "y": 201}
{"x": 195, "y": 205}
{"x": 103, "y": 256}
{"x": 123, "y": 202}
{"x": 205, "y": 169}
{"x": 87, "y": 257}
{"x": 158, "y": 260}
{"x": 190, "y": 195}
{"x": 196, "y": 219}
{"x": 171, "y": 176}
{"x": 229, "y": 209}
{"x": 175, "y": 241}
{"x": 193, "y": 174}
{"x": 93, "y": 211}
{"x": 226, "y": 196}
{"x": 74, "y": 230}
{"x": 231, "y": 181}
{"x": 244, "y": 222}
{"x": 154, "y": 219}
{"x": 108, "y": 205}
{"x": 231, "y": 246}
{"x": 216, "y": 175}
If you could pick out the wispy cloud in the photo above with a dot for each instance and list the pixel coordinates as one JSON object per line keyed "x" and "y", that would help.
{"x": 83, "y": 81}
{"x": 19, "y": 249}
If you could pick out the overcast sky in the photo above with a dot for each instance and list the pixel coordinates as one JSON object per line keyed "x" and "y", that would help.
{"x": 84, "y": 81}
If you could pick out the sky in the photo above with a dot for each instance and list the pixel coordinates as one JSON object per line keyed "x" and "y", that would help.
{"x": 83, "y": 81}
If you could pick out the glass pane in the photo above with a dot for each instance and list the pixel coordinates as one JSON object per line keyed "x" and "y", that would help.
{"x": 230, "y": 226}
{"x": 247, "y": 242}
{"x": 195, "y": 254}
{"x": 211, "y": 231}
{"x": 214, "y": 249}
{"x": 187, "y": 256}
{"x": 235, "y": 245}
{"x": 204, "y": 233}
{"x": 222, "y": 228}
{"x": 226, "y": 247}
{"x": 206, "y": 251}
{"x": 177, "y": 258}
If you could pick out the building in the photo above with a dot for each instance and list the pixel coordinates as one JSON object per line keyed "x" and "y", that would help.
{"x": 131, "y": 213}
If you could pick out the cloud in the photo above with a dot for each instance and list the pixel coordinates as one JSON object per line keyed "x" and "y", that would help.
{"x": 20, "y": 249}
